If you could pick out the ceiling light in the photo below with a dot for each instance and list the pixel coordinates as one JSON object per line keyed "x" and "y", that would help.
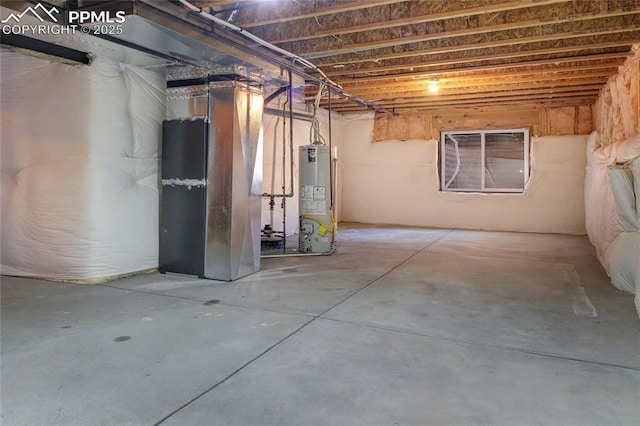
{"x": 433, "y": 85}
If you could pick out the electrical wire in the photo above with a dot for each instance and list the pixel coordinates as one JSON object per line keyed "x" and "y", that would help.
{"x": 331, "y": 228}
{"x": 287, "y": 54}
{"x": 293, "y": 57}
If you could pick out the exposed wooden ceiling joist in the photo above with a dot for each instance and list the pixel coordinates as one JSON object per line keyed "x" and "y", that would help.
{"x": 413, "y": 66}
{"x": 301, "y": 11}
{"x": 418, "y": 90}
{"x": 608, "y": 67}
{"x": 616, "y": 58}
{"x": 413, "y": 20}
{"x": 541, "y": 76}
{"x": 542, "y": 100}
{"x": 468, "y": 43}
{"x": 568, "y": 27}
{"x": 464, "y": 95}
{"x": 483, "y": 52}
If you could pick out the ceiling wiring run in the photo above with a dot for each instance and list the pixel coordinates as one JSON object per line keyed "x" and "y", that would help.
{"x": 325, "y": 80}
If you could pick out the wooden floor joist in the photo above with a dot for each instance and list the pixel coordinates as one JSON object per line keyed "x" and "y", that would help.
{"x": 482, "y": 52}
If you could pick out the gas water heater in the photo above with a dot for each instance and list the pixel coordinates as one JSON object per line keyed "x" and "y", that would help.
{"x": 317, "y": 225}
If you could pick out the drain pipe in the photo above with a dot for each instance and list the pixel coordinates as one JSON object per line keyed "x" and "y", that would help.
{"x": 273, "y": 172}
{"x": 332, "y": 178}
{"x": 289, "y": 103}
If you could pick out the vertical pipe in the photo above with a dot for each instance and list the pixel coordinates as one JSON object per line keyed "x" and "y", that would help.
{"x": 283, "y": 203}
{"x": 284, "y": 198}
{"x": 273, "y": 172}
{"x": 330, "y": 157}
{"x": 482, "y": 161}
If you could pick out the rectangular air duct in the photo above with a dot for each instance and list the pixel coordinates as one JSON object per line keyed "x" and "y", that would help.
{"x": 211, "y": 175}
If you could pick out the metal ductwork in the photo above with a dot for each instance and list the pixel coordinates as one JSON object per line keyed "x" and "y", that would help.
{"x": 217, "y": 79}
{"x": 166, "y": 33}
{"x": 211, "y": 174}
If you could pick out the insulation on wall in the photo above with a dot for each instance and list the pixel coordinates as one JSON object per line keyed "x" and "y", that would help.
{"x": 79, "y": 168}
{"x": 543, "y": 121}
{"x": 612, "y": 198}
{"x": 617, "y": 110}
{"x": 612, "y": 188}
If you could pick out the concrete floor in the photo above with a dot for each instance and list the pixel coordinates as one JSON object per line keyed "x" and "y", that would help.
{"x": 402, "y": 327}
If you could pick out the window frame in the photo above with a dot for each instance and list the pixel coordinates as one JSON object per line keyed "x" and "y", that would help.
{"x": 483, "y": 189}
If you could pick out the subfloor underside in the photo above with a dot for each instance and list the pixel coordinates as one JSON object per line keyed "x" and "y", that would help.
{"x": 402, "y": 326}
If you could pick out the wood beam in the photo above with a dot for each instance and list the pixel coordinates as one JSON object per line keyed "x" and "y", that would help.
{"x": 546, "y": 76}
{"x": 615, "y": 57}
{"x": 476, "y": 46}
{"x": 221, "y": 3}
{"x": 472, "y": 103}
{"x": 482, "y": 58}
{"x": 341, "y": 7}
{"x": 493, "y": 94}
{"x": 353, "y": 48}
{"x": 421, "y": 89}
{"x": 432, "y": 17}
{"x": 528, "y": 75}
{"x": 608, "y": 68}
{"x": 520, "y": 104}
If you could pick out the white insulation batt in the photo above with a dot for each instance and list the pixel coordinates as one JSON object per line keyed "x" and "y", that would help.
{"x": 612, "y": 198}
{"x": 79, "y": 159}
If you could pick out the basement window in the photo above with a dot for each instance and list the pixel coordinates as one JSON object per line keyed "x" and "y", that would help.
{"x": 484, "y": 160}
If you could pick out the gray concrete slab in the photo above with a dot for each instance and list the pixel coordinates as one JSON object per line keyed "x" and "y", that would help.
{"x": 308, "y": 285}
{"x": 533, "y": 306}
{"x": 97, "y": 355}
{"x": 421, "y": 327}
{"x": 514, "y": 245}
{"x": 332, "y": 373}
{"x": 388, "y": 237}
{"x": 13, "y": 290}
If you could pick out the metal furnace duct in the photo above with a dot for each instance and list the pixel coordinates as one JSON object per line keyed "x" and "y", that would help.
{"x": 228, "y": 212}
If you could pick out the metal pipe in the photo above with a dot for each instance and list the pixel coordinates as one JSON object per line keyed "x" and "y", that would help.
{"x": 331, "y": 182}
{"x": 296, "y": 114}
{"x": 330, "y": 156}
{"x": 291, "y": 128}
{"x": 274, "y": 95}
{"x": 291, "y": 192}
{"x": 288, "y": 102}
{"x": 274, "y": 48}
{"x": 273, "y": 171}
{"x": 296, "y": 254}
{"x": 294, "y": 58}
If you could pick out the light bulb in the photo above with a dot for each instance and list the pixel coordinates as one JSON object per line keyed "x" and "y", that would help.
{"x": 433, "y": 86}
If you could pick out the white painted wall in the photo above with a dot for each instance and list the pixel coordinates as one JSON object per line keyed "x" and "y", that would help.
{"x": 300, "y": 137}
{"x": 396, "y": 182}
